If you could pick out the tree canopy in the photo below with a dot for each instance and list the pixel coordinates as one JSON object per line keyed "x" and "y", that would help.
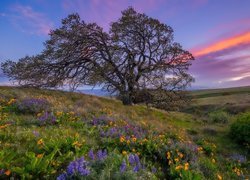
{"x": 138, "y": 53}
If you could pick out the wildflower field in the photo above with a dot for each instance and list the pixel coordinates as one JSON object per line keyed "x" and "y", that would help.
{"x": 47, "y": 134}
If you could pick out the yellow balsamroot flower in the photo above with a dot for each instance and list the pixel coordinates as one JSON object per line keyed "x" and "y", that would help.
{"x": 178, "y": 167}
{"x": 7, "y": 173}
{"x": 11, "y": 101}
{"x": 168, "y": 155}
{"x": 124, "y": 153}
{"x": 4, "y": 126}
{"x": 76, "y": 143}
{"x": 134, "y": 139}
{"x": 186, "y": 166}
{"x": 39, "y": 115}
{"x": 219, "y": 177}
{"x": 59, "y": 113}
{"x": 180, "y": 155}
{"x": 39, "y": 155}
{"x": 199, "y": 149}
{"x": 122, "y": 139}
{"x": 176, "y": 159}
{"x": 237, "y": 171}
{"x": 128, "y": 141}
{"x": 40, "y": 142}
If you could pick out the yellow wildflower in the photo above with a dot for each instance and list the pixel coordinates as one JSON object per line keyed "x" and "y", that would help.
{"x": 39, "y": 115}
{"x": 59, "y": 113}
{"x": 40, "y": 142}
{"x": 186, "y": 166}
{"x": 7, "y": 173}
{"x": 199, "y": 149}
{"x": 134, "y": 139}
{"x": 124, "y": 153}
{"x": 168, "y": 155}
{"x": 11, "y": 101}
{"x": 39, "y": 155}
{"x": 219, "y": 177}
{"x": 178, "y": 167}
{"x": 122, "y": 139}
{"x": 76, "y": 143}
{"x": 180, "y": 155}
{"x": 213, "y": 161}
{"x": 4, "y": 126}
{"x": 176, "y": 159}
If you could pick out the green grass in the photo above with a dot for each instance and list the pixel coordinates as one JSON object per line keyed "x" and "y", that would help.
{"x": 192, "y": 125}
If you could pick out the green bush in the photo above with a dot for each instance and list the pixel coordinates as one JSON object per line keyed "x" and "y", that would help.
{"x": 240, "y": 129}
{"x": 219, "y": 117}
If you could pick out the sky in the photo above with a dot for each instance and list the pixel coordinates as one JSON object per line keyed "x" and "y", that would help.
{"x": 216, "y": 32}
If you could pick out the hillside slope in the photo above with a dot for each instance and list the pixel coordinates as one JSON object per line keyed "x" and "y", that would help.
{"x": 43, "y": 132}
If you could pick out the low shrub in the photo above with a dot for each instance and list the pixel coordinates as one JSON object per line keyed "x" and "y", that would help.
{"x": 32, "y": 106}
{"x": 240, "y": 129}
{"x": 219, "y": 117}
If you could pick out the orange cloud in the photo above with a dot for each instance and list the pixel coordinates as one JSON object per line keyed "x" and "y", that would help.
{"x": 224, "y": 44}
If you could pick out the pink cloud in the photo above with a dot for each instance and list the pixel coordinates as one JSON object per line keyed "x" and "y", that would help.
{"x": 225, "y": 67}
{"x": 30, "y": 21}
{"x": 226, "y": 43}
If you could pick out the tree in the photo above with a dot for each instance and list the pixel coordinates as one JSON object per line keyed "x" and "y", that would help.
{"x": 137, "y": 53}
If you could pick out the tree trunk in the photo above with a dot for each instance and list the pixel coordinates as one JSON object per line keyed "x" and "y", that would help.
{"x": 126, "y": 98}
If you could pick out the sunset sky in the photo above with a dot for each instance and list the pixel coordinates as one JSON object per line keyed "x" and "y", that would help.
{"x": 216, "y": 32}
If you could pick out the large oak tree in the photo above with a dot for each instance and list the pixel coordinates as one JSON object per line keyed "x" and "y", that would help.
{"x": 137, "y": 53}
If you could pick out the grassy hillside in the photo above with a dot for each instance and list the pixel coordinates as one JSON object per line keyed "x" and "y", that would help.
{"x": 43, "y": 132}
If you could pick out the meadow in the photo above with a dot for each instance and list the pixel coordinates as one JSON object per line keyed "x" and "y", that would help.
{"x": 49, "y": 134}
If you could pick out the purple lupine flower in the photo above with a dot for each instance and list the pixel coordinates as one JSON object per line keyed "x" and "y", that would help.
{"x": 136, "y": 168}
{"x": 79, "y": 166}
{"x": 33, "y": 105}
{"x": 101, "y": 154}
{"x": 83, "y": 171}
{"x": 47, "y": 118}
{"x": 62, "y": 176}
{"x": 123, "y": 166}
{"x": 154, "y": 170}
{"x": 71, "y": 168}
{"x": 239, "y": 158}
{"x": 131, "y": 159}
{"x": 134, "y": 160}
{"x": 137, "y": 159}
{"x": 2, "y": 171}
{"x": 91, "y": 155}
